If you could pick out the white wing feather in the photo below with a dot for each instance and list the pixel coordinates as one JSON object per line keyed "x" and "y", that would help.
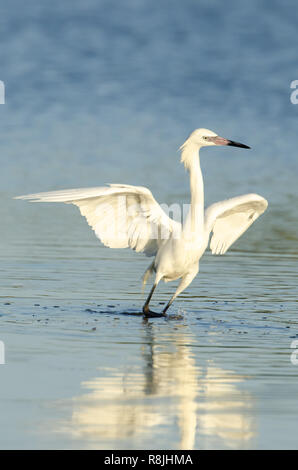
{"x": 229, "y": 219}
{"x": 122, "y": 216}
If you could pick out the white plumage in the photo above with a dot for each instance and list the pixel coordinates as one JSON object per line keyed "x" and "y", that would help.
{"x": 125, "y": 216}
{"x": 121, "y": 215}
{"x": 229, "y": 219}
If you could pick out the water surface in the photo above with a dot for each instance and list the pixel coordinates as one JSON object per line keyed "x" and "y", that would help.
{"x": 106, "y": 92}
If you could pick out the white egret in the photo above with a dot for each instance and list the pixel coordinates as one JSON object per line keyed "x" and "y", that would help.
{"x": 128, "y": 216}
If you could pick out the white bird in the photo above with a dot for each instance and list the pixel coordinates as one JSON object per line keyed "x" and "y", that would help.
{"x": 128, "y": 216}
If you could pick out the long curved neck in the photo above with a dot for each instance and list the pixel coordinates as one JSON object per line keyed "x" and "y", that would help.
{"x": 195, "y": 220}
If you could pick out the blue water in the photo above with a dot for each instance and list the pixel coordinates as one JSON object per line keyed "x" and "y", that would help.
{"x": 106, "y": 91}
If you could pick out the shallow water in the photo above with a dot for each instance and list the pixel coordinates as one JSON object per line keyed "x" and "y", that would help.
{"x": 91, "y": 101}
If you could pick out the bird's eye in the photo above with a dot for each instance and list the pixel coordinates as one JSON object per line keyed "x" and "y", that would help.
{"x": 205, "y": 138}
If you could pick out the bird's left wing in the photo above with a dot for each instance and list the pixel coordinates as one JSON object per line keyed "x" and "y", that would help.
{"x": 121, "y": 215}
{"x": 229, "y": 219}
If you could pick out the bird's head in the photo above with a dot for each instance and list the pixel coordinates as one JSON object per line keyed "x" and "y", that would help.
{"x": 205, "y": 138}
{"x": 202, "y": 138}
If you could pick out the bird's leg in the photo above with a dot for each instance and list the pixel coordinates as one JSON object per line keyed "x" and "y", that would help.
{"x": 146, "y": 311}
{"x": 168, "y": 305}
{"x": 185, "y": 281}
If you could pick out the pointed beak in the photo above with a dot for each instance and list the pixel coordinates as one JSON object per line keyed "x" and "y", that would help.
{"x": 221, "y": 141}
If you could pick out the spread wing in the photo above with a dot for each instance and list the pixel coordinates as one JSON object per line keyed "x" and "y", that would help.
{"x": 228, "y": 220}
{"x": 122, "y": 216}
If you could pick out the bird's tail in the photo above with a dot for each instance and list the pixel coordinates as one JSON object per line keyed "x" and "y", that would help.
{"x": 147, "y": 274}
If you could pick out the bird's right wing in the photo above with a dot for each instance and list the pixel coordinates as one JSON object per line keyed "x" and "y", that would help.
{"x": 229, "y": 219}
{"x": 122, "y": 216}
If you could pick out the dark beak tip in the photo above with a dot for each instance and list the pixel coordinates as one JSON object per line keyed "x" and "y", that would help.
{"x": 237, "y": 144}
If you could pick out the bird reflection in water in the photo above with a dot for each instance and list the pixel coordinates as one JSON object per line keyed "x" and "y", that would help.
{"x": 170, "y": 399}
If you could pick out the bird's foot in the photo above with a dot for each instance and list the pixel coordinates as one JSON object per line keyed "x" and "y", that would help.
{"x": 149, "y": 314}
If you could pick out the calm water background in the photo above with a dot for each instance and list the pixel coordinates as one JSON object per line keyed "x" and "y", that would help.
{"x": 106, "y": 91}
